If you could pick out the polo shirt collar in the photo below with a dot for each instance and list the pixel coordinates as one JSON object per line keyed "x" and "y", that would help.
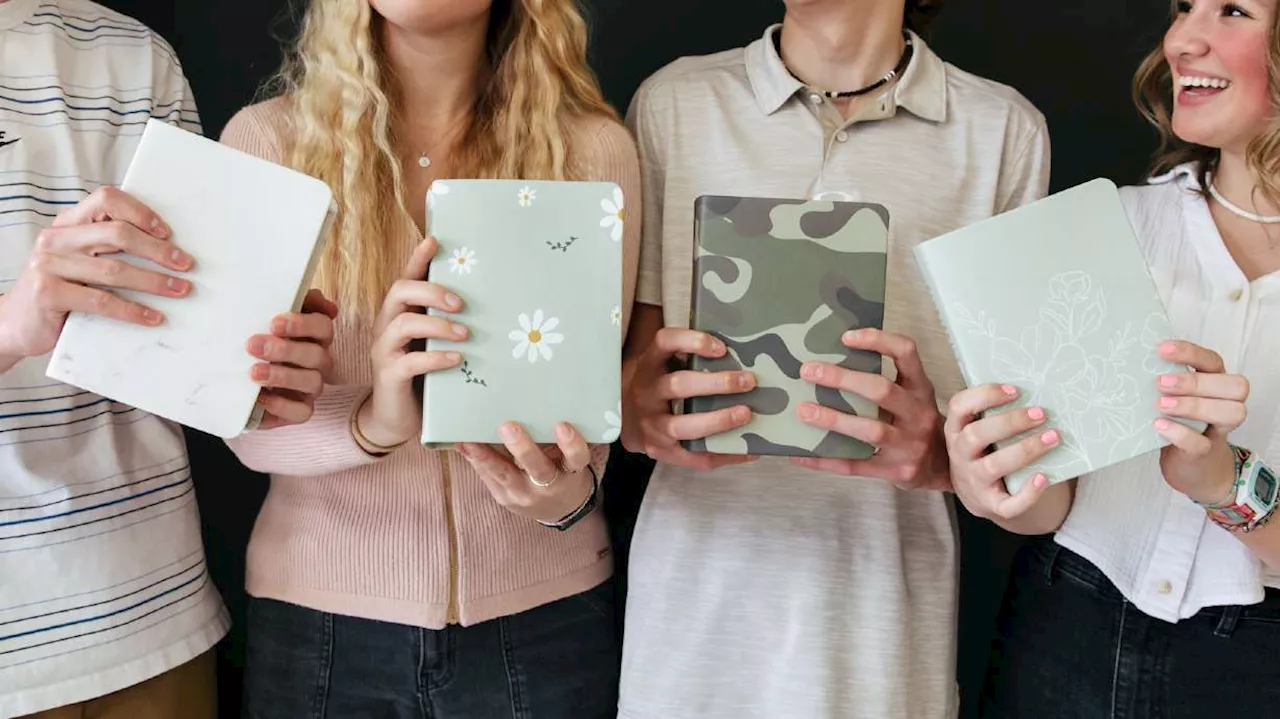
{"x": 922, "y": 89}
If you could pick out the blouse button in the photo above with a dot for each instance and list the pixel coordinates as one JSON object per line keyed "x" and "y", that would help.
{"x": 1164, "y": 586}
{"x": 1236, "y": 294}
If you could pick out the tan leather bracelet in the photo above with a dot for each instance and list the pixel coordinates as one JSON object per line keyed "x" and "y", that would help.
{"x": 369, "y": 446}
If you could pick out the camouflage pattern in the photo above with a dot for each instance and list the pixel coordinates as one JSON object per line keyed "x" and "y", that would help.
{"x": 779, "y": 281}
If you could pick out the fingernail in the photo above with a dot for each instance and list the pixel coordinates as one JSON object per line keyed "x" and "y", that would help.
{"x": 1168, "y": 403}
{"x": 459, "y": 331}
{"x": 258, "y": 346}
{"x": 452, "y": 356}
{"x": 1036, "y": 414}
{"x": 1166, "y": 347}
{"x": 850, "y": 336}
{"x": 1050, "y": 437}
{"x": 1168, "y": 380}
{"x": 742, "y": 414}
{"x": 811, "y": 371}
{"x": 452, "y": 300}
{"x": 152, "y": 316}
{"x": 177, "y": 286}
{"x": 158, "y": 228}
{"x": 280, "y": 326}
{"x": 1040, "y": 481}
{"x": 260, "y": 372}
{"x": 1009, "y": 390}
{"x": 744, "y": 381}
{"x": 180, "y": 258}
{"x": 508, "y": 431}
{"x": 1163, "y": 425}
{"x": 717, "y": 347}
{"x": 808, "y": 412}
{"x": 564, "y": 432}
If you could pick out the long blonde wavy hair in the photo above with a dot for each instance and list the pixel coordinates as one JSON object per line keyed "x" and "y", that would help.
{"x": 1153, "y": 94}
{"x": 343, "y": 110}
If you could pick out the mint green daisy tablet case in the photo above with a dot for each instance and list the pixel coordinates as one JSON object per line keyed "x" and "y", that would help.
{"x": 538, "y": 265}
{"x": 779, "y": 281}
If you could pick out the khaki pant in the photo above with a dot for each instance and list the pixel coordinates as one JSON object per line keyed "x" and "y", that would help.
{"x": 186, "y": 692}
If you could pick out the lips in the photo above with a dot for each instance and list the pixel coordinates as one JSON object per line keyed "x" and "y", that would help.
{"x": 1196, "y": 87}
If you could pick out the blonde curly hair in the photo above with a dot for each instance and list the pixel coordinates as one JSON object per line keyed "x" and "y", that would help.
{"x": 342, "y": 111}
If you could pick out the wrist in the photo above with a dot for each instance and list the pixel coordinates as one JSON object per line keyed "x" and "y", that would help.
{"x": 372, "y": 434}
{"x": 1220, "y": 490}
{"x": 583, "y": 508}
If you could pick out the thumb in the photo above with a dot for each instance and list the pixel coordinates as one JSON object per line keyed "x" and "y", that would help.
{"x": 416, "y": 268}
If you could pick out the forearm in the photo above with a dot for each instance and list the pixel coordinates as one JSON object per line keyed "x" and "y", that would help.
{"x": 322, "y": 445}
{"x": 7, "y": 361}
{"x": 1265, "y": 543}
{"x": 1045, "y": 516}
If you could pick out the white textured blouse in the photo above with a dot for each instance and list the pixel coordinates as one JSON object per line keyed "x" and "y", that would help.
{"x": 1155, "y": 544}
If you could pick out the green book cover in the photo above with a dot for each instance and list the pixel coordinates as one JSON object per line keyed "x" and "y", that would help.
{"x": 538, "y": 265}
{"x": 779, "y": 281}
{"x": 1055, "y": 298}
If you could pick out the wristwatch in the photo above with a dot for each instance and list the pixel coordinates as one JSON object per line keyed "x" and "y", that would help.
{"x": 587, "y": 506}
{"x": 1253, "y": 498}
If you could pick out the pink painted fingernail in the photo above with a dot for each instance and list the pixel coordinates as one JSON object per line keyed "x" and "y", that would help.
{"x": 1050, "y": 437}
{"x": 452, "y": 300}
{"x": 1040, "y": 481}
{"x": 1163, "y": 425}
{"x": 1168, "y": 403}
{"x": 459, "y": 331}
{"x": 1009, "y": 390}
{"x": 1036, "y": 414}
{"x": 1168, "y": 380}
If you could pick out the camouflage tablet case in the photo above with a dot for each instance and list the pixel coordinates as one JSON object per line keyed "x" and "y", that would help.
{"x": 538, "y": 266}
{"x": 779, "y": 281}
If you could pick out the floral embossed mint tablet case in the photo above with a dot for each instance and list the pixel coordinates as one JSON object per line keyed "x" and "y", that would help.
{"x": 779, "y": 281}
{"x": 1055, "y": 298}
{"x": 538, "y": 265}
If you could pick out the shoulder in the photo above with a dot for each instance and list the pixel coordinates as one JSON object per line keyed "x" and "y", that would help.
{"x": 1152, "y": 205}
{"x": 260, "y": 129}
{"x": 691, "y": 75}
{"x": 91, "y": 26}
{"x": 604, "y": 147}
{"x": 983, "y": 99}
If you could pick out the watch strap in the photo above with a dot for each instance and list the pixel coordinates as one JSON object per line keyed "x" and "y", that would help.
{"x": 587, "y": 507}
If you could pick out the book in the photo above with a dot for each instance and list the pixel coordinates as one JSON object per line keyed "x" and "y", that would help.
{"x": 254, "y": 229}
{"x": 779, "y": 281}
{"x": 1055, "y": 298}
{"x": 538, "y": 265}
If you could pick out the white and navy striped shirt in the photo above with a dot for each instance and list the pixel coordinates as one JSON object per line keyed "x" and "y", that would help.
{"x": 102, "y": 574}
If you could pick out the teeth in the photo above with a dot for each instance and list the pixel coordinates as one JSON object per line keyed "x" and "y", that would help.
{"x": 1214, "y": 82}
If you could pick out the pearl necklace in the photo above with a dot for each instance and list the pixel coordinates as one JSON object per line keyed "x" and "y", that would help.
{"x": 1261, "y": 219}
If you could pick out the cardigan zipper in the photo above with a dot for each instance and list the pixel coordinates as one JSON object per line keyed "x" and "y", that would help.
{"x": 452, "y": 530}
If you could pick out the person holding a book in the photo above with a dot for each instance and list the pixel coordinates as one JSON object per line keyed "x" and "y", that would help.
{"x": 106, "y": 606}
{"x": 1158, "y": 593}
{"x": 815, "y": 587}
{"x": 385, "y": 576}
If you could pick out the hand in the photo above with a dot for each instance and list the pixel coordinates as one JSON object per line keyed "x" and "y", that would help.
{"x": 910, "y": 450}
{"x": 545, "y": 484}
{"x": 978, "y": 473}
{"x": 393, "y": 413}
{"x": 649, "y": 387}
{"x": 296, "y": 360}
{"x": 1200, "y": 465}
{"x": 69, "y": 257}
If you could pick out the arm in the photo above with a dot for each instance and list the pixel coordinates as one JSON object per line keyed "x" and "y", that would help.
{"x": 324, "y": 444}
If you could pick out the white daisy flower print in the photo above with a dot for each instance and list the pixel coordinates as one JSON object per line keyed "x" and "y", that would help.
{"x": 614, "y": 214}
{"x": 526, "y": 196}
{"x": 535, "y": 337}
{"x": 463, "y": 261}
{"x": 616, "y": 316}
{"x": 437, "y": 188}
{"x": 614, "y": 420}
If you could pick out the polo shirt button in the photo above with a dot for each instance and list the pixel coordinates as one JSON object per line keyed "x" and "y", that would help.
{"x": 1164, "y": 586}
{"x": 815, "y": 99}
{"x": 842, "y": 136}
{"x": 1236, "y": 295}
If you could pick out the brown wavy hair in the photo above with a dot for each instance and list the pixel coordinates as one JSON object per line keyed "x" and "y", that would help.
{"x": 342, "y": 107}
{"x": 1153, "y": 94}
{"x": 919, "y": 13}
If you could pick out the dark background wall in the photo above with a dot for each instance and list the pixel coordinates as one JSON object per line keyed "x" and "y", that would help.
{"x": 1072, "y": 59}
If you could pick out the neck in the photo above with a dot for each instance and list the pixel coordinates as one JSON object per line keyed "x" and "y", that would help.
{"x": 842, "y": 45}
{"x": 436, "y": 78}
{"x": 1236, "y": 182}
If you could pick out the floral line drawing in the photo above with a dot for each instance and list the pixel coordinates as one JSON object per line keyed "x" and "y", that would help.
{"x": 471, "y": 376}
{"x": 562, "y": 246}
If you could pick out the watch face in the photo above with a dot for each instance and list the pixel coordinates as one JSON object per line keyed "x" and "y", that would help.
{"x": 1265, "y": 486}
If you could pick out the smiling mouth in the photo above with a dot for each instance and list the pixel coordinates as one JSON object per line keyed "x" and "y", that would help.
{"x": 1202, "y": 85}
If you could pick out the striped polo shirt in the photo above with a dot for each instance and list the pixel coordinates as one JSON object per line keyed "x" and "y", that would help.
{"x": 103, "y": 581}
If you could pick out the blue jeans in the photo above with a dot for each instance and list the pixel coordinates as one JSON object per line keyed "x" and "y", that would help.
{"x": 557, "y": 661}
{"x": 1069, "y": 646}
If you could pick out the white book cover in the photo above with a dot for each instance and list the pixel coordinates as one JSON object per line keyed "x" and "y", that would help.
{"x": 1055, "y": 298}
{"x": 254, "y": 229}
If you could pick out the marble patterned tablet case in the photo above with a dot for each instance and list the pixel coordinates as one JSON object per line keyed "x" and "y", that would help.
{"x": 539, "y": 268}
